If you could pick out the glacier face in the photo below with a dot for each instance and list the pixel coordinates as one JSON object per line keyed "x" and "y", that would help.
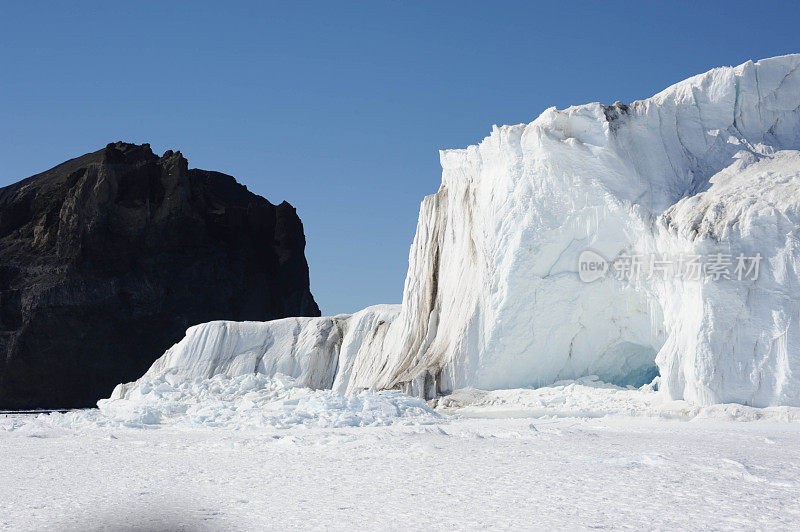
{"x": 316, "y": 353}
{"x": 731, "y": 340}
{"x": 493, "y": 300}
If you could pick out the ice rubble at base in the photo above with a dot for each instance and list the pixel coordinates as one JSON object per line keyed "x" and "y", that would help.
{"x": 589, "y": 397}
{"x": 279, "y": 402}
{"x": 250, "y": 400}
{"x": 492, "y": 299}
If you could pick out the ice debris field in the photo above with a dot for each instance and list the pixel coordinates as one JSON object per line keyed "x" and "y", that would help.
{"x": 252, "y": 401}
{"x": 272, "y": 456}
{"x": 504, "y": 391}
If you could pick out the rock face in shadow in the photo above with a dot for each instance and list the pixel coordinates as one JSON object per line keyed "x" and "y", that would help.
{"x": 106, "y": 259}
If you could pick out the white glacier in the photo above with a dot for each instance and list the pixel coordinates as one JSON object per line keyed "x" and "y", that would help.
{"x": 730, "y": 340}
{"x": 492, "y": 299}
{"x": 317, "y": 353}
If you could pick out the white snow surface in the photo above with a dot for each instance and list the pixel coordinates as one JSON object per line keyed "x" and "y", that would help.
{"x": 252, "y": 452}
{"x": 460, "y": 474}
{"x": 492, "y": 299}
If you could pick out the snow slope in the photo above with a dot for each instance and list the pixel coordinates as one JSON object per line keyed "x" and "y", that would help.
{"x": 493, "y": 300}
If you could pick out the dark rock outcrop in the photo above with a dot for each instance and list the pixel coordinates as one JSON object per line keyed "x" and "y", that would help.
{"x": 106, "y": 259}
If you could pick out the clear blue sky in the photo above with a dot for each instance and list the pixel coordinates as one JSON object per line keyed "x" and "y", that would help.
{"x": 340, "y": 108}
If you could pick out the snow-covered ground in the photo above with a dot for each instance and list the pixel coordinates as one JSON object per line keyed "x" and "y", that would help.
{"x": 578, "y": 454}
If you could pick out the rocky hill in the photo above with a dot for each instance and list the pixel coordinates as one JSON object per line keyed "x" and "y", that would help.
{"x": 106, "y": 259}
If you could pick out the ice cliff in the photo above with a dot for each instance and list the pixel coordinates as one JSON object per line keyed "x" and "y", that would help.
{"x": 493, "y": 298}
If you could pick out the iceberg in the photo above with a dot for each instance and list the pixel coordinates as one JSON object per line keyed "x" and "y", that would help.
{"x": 494, "y": 298}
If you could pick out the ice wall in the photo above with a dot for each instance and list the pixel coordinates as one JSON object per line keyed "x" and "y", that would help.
{"x": 492, "y": 298}
{"x": 736, "y": 340}
{"x": 316, "y": 352}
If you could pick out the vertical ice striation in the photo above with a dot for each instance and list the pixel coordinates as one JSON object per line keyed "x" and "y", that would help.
{"x": 492, "y": 298}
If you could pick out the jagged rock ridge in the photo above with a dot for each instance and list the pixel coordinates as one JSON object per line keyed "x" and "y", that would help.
{"x": 107, "y": 259}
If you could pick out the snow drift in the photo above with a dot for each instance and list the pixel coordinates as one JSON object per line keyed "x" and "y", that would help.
{"x": 493, "y": 299}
